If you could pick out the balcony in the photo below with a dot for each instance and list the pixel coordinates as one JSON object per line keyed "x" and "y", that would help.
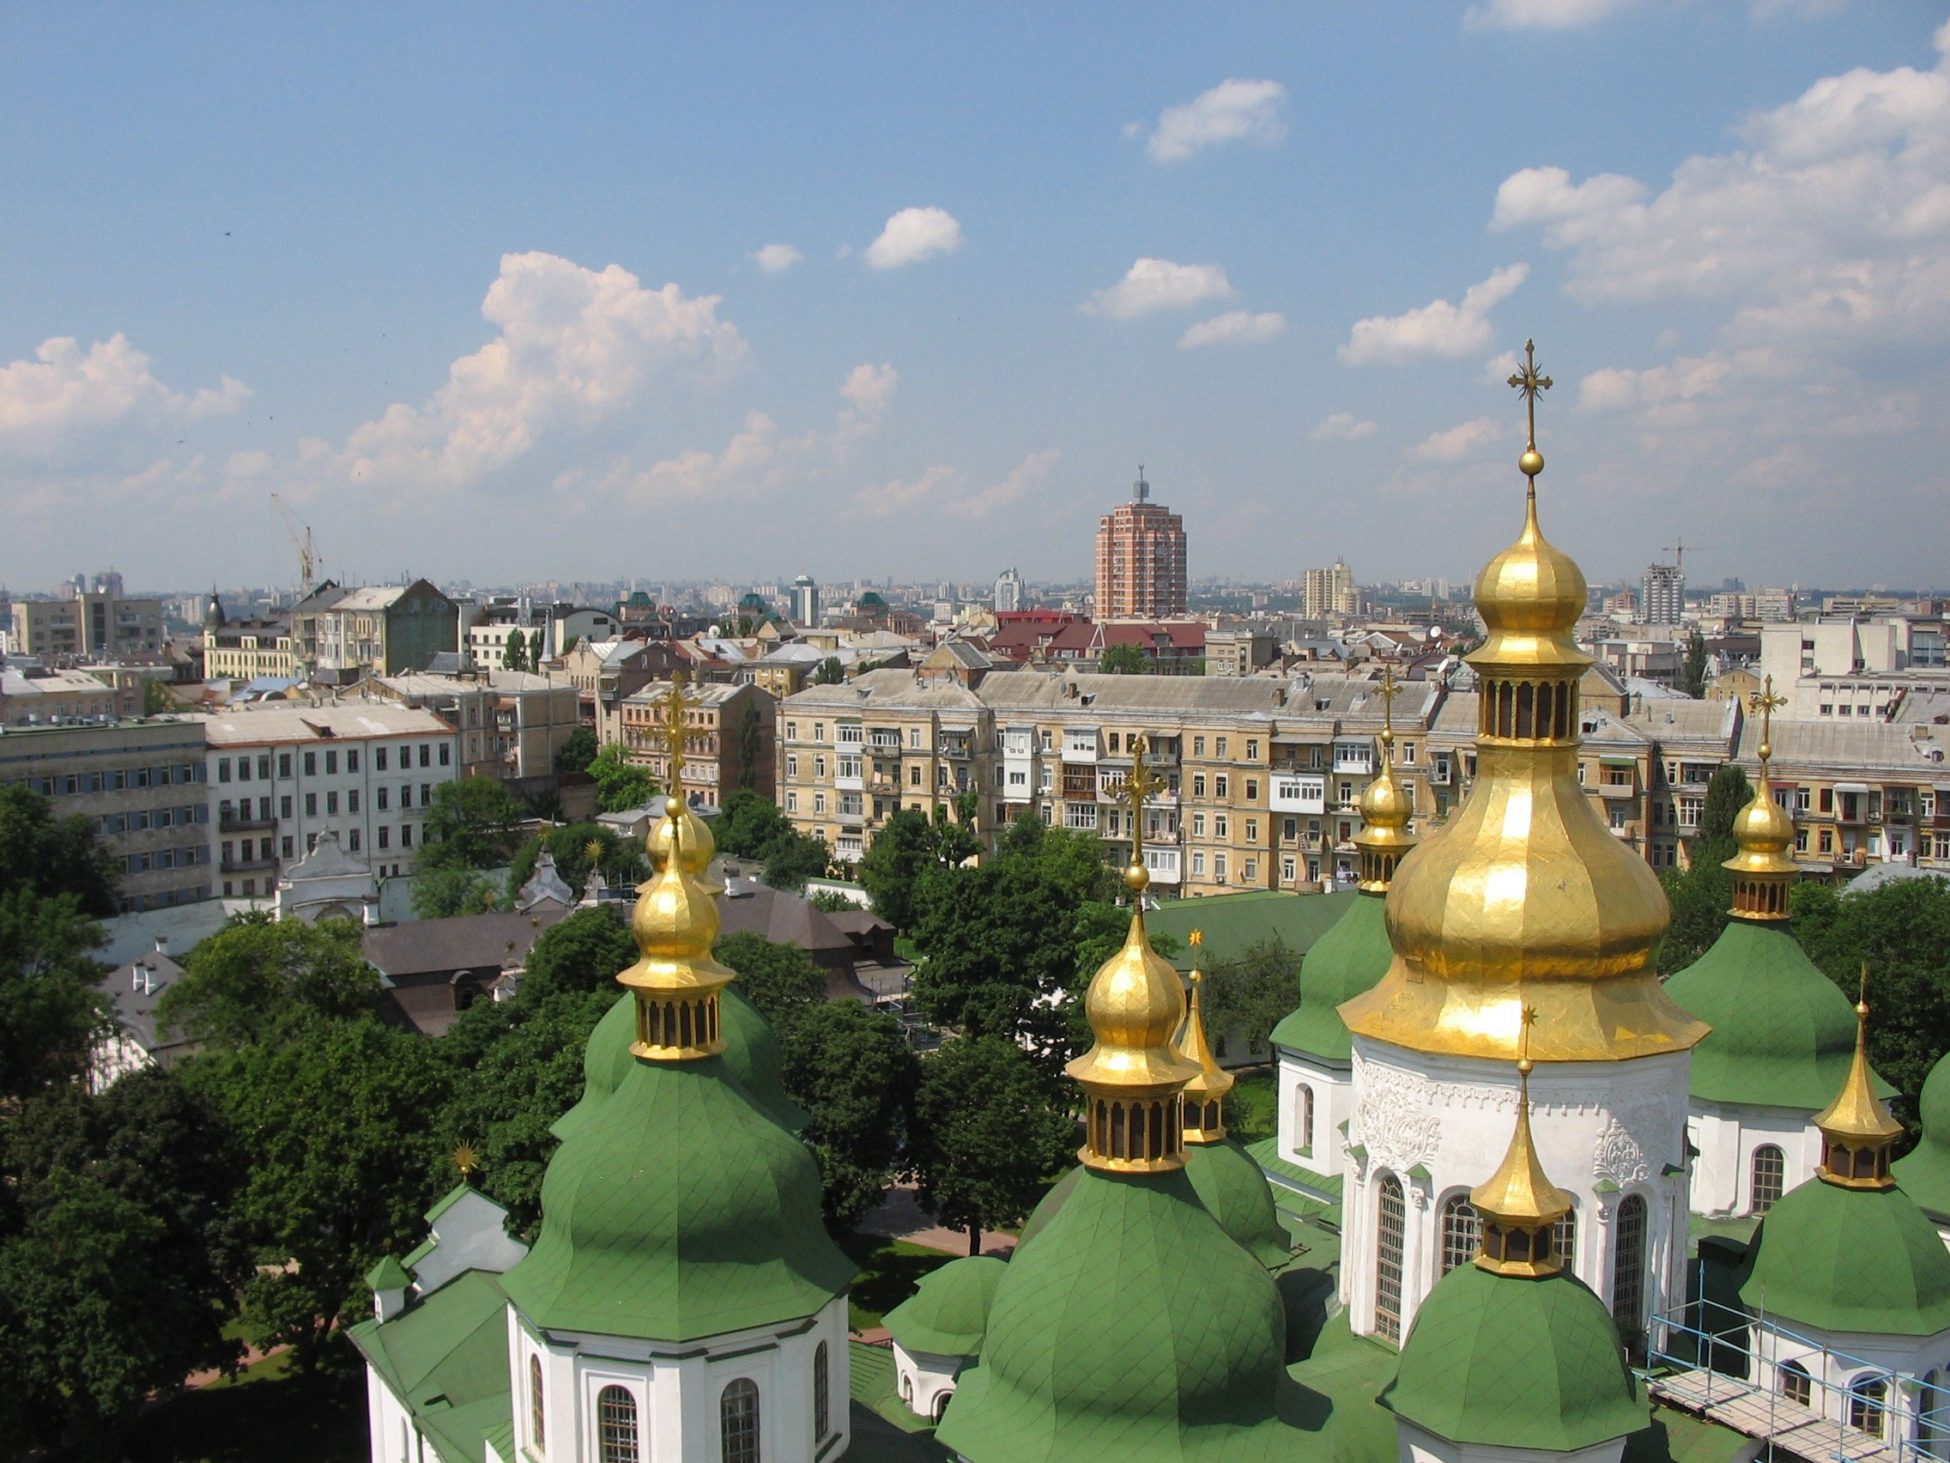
{"x": 1077, "y": 751}
{"x": 1298, "y": 795}
{"x": 1616, "y": 790}
{"x": 237, "y": 822}
{"x": 245, "y": 862}
{"x": 850, "y": 784}
{"x": 958, "y": 751}
{"x": 1079, "y": 789}
{"x": 1163, "y": 864}
{"x": 854, "y": 819}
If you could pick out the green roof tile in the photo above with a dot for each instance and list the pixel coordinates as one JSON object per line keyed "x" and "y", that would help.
{"x": 1516, "y": 1363}
{"x": 1234, "y": 923}
{"x": 446, "y": 1357}
{"x": 1925, "y": 1171}
{"x": 1346, "y": 961}
{"x": 1231, "y": 1185}
{"x": 1849, "y": 1260}
{"x": 388, "y": 1274}
{"x": 678, "y": 1210}
{"x": 1288, "y": 1175}
{"x": 948, "y": 1314}
{"x": 447, "y": 1200}
{"x": 1783, "y": 1033}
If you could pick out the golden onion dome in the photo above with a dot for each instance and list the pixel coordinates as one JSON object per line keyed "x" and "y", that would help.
{"x": 1134, "y": 1005}
{"x": 1384, "y": 807}
{"x": 675, "y": 923}
{"x": 696, "y": 845}
{"x": 1762, "y": 830}
{"x": 1533, "y": 588}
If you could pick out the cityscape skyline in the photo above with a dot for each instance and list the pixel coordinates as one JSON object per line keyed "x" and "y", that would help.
{"x": 872, "y": 279}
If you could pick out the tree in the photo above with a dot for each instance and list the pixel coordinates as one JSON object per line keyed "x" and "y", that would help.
{"x": 849, "y": 1066}
{"x": 52, "y": 1011}
{"x": 891, "y": 870}
{"x": 515, "y": 656}
{"x": 795, "y": 858}
{"x": 621, "y": 785}
{"x": 748, "y": 824}
{"x": 1248, "y": 995}
{"x": 579, "y": 848}
{"x": 781, "y": 980}
{"x": 1701, "y": 894}
{"x": 577, "y": 751}
{"x": 156, "y": 699}
{"x": 445, "y": 891}
{"x": 987, "y": 1134}
{"x": 51, "y": 856}
{"x": 250, "y": 980}
{"x": 829, "y": 672}
{"x": 470, "y": 824}
{"x": 1692, "y": 673}
{"x": 1726, "y": 795}
{"x": 584, "y": 953}
{"x": 751, "y": 747}
{"x": 1127, "y": 659}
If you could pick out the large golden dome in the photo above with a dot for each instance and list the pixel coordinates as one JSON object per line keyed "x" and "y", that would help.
{"x": 1531, "y": 590}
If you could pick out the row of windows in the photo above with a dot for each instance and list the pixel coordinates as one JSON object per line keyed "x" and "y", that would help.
{"x": 140, "y": 820}
{"x": 185, "y": 857}
{"x": 119, "y": 779}
{"x": 239, "y": 768}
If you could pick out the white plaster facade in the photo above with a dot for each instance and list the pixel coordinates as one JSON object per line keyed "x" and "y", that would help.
{"x": 676, "y": 1391}
{"x": 1607, "y": 1133}
{"x": 1316, "y": 1104}
{"x": 926, "y": 1379}
{"x": 1726, "y": 1137}
{"x": 1838, "y": 1362}
{"x": 1417, "y": 1445}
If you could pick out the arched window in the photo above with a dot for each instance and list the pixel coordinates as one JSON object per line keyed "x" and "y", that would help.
{"x": 1564, "y": 1240}
{"x": 1796, "y": 1385}
{"x": 1462, "y": 1232}
{"x": 536, "y": 1436}
{"x": 1770, "y": 1177}
{"x": 1303, "y": 1118}
{"x": 1866, "y": 1409}
{"x": 1628, "y": 1269}
{"x": 616, "y": 1425}
{"x": 738, "y": 1422}
{"x": 1391, "y": 1231}
{"x": 821, "y": 1405}
{"x": 941, "y": 1404}
{"x": 1929, "y": 1421}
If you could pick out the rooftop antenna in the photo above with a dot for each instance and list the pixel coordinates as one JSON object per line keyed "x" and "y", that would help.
{"x": 1140, "y": 490}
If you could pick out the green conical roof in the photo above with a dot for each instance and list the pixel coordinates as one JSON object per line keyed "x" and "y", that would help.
{"x": 1518, "y": 1363}
{"x": 949, "y": 1313}
{"x": 1047, "y": 1207}
{"x": 1924, "y": 1172}
{"x": 675, "y": 1210}
{"x": 388, "y": 1274}
{"x": 1347, "y": 961}
{"x": 1234, "y": 1188}
{"x": 1132, "y": 1328}
{"x": 1843, "y": 1259}
{"x": 1783, "y": 1033}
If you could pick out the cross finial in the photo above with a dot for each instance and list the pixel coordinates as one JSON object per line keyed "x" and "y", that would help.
{"x": 1141, "y": 784}
{"x": 1390, "y": 689}
{"x": 1526, "y": 1018}
{"x": 1764, "y": 701}
{"x": 675, "y": 735}
{"x": 1530, "y": 383}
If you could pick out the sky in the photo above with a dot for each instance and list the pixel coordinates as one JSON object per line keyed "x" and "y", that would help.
{"x": 512, "y": 294}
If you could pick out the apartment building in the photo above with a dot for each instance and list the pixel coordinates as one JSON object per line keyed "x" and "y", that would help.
{"x": 37, "y": 696}
{"x": 1325, "y": 593}
{"x": 1260, "y": 778}
{"x": 141, "y": 783}
{"x": 557, "y": 624}
{"x": 279, "y": 774}
{"x": 509, "y": 724}
{"x": 731, "y": 737}
{"x": 243, "y": 650}
{"x": 94, "y": 623}
{"x": 1662, "y": 595}
{"x": 1862, "y": 793}
{"x": 340, "y": 634}
{"x": 1140, "y": 559}
{"x": 1847, "y": 667}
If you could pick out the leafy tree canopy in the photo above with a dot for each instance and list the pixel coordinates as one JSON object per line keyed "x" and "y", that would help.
{"x": 577, "y": 848}
{"x": 452, "y": 889}
{"x": 577, "y": 751}
{"x": 1124, "y": 660}
{"x": 620, "y": 783}
{"x": 50, "y": 856}
{"x": 851, "y": 1069}
{"x": 251, "y": 980}
{"x": 584, "y": 953}
{"x": 781, "y": 980}
{"x": 51, "y": 1008}
{"x": 471, "y": 824}
{"x": 829, "y": 672}
{"x": 1247, "y": 996}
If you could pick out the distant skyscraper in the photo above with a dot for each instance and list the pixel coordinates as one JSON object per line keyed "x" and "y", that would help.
{"x": 1008, "y": 591}
{"x": 1326, "y": 592}
{"x": 1662, "y": 595}
{"x": 1140, "y": 559}
{"x": 805, "y": 601}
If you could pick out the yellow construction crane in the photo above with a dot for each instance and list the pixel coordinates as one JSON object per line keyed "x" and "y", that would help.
{"x": 301, "y": 541}
{"x": 1677, "y": 548}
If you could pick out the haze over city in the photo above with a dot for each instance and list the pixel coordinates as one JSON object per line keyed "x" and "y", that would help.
{"x": 746, "y": 292}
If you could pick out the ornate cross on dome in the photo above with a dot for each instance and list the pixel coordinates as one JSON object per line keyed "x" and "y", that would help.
{"x": 1390, "y": 689}
{"x": 1530, "y": 383}
{"x": 1764, "y": 701}
{"x": 1141, "y": 784}
{"x": 675, "y": 735}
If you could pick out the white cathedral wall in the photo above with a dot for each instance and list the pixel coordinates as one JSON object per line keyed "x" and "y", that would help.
{"x": 1416, "y": 1445}
{"x": 1323, "y": 1150}
{"x": 1727, "y": 1135}
{"x": 677, "y": 1390}
{"x": 389, "y": 1423}
{"x": 1441, "y": 1124}
{"x": 1836, "y": 1361}
{"x": 925, "y": 1378}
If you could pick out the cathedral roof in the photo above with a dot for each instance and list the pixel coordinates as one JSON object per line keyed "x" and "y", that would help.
{"x": 1232, "y": 1186}
{"x": 1850, "y": 1259}
{"x": 949, "y": 1313}
{"x": 1345, "y": 962}
{"x": 1924, "y": 1172}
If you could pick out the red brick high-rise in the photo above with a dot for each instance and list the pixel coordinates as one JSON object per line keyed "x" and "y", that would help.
{"x": 1140, "y": 559}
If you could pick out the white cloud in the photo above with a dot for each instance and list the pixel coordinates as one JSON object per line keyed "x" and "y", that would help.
{"x": 64, "y": 396}
{"x": 1235, "y": 327}
{"x": 1499, "y": 368}
{"x": 745, "y": 463}
{"x": 574, "y": 347}
{"x": 1435, "y": 329}
{"x": 1459, "y": 441}
{"x": 871, "y": 387}
{"x": 1688, "y": 378}
{"x": 1232, "y": 111}
{"x": 1151, "y": 285}
{"x": 1025, "y": 477}
{"x": 943, "y": 489}
{"x": 1540, "y": 14}
{"x": 775, "y": 258}
{"x": 883, "y": 500}
{"x": 1342, "y": 426}
{"x": 914, "y": 234}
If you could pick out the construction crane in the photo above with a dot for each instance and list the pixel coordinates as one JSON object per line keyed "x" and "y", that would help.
{"x": 1677, "y": 548}
{"x": 301, "y": 541}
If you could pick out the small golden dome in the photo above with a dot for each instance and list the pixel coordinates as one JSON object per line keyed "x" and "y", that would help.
{"x": 1383, "y": 805}
{"x": 1204, "y": 1093}
{"x": 1857, "y": 1130}
{"x": 1518, "y": 1203}
{"x": 675, "y": 923}
{"x": 1531, "y": 589}
{"x": 694, "y": 840}
{"x": 1763, "y": 826}
{"x": 1134, "y": 1005}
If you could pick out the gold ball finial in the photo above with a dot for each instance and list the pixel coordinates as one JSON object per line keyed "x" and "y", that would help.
{"x": 1531, "y": 463}
{"x": 1137, "y": 878}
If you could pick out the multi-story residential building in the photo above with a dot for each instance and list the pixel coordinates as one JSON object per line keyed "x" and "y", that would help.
{"x": 732, "y": 737}
{"x": 546, "y": 629}
{"x": 243, "y": 650}
{"x": 37, "y": 696}
{"x": 607, "y": 673}
{"x": 510, "y": 724}
{"x": 1007, "y": 595}
{"x": 1662, "y": 595}
{"x": 1861, "y": 792}
{"x": 1846, "y": 667}
{"x": 95, "y": 623}
{"x": 805, "y": 601}
{"x": 1260, "y": 777}
{"x": 1140, "y": 559}
{"x": 1325, "y": 593}
{"x": 340, "y": 634}
{"x": 280, "y": 774}
{"x": 141, "y": 783}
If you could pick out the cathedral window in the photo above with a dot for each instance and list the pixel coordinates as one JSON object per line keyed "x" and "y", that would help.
{"x": 1462, "y": 1230}
{"x": 616, "y": 1425}
{"x": 536, "y": 1435}
{"x": 1564, "y": 1240}
{"x": 1628, "y": 1269}
{"x": 1866, "y": 1404}
{"x": 1770, "y": 1177}
{"x": 1796, "y": 1385}
{"x": 1391, "y": 1230}
{"x": 821, "y": 1403}
{"x": 1303, "y": 1118}
{"x": 738, "y": 1422}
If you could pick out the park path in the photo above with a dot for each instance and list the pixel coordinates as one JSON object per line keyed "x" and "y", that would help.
{"x": 899, "y": 1215}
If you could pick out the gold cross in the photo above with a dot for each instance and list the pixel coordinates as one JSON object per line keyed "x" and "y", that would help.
{"x": 1764, "y": 701}
{"x": 1390, "y": 689}
{"x": 1141, "y": 784}
{"x": 675, "y": 735}
{"x": 1530, "y": 383}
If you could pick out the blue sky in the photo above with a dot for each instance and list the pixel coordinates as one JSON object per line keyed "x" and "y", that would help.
{"x": 480, "y": 292}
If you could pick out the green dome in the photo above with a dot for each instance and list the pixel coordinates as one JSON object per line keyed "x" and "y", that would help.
{"x": 1345, "y": 962}
{"x": 1048, "y": 1205}
{"x": 1510, "y": 1362}
{"x": 1131, "y": 1328}
{"x": 751, "y": 1052}
{"x": 1925, "y": 1172}
{"x": 949, "y": 1314}
{"x": 1841, "y": 1259}
{"x": 1783, "y": 1033}
{"x": 676, "y": 1210}
{"x": 1234, "y": 1188}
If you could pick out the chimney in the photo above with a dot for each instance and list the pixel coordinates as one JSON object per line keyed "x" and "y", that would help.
{"x": 162, "y": 945}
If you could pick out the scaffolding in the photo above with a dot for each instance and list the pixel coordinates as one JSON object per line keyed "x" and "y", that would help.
{"x": 1718, "y": 1370}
